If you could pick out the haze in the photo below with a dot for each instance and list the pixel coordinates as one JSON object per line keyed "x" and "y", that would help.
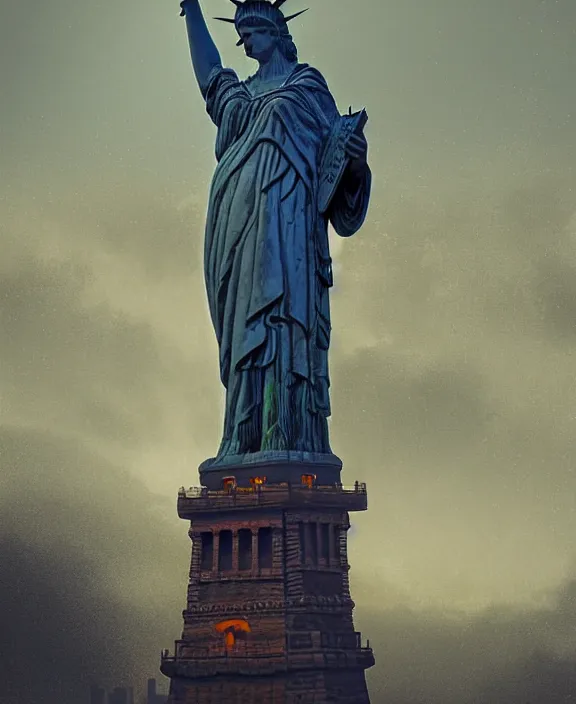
{"x": 454, "y": 315}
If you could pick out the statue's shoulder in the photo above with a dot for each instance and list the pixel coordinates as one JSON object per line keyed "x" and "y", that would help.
{"x": 307, "y": 73}
{"x": 303, "y": 69}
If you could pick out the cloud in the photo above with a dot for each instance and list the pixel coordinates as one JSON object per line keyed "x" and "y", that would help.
{"x": 556, "y": 290}
{"x": 93, "y": 571}
{"x": 453, "y": 397}
{"x": 452, "y": 361}
{"x": 102, "y": 336}
{"x": 94, "y": 580}
{"x": 409, "y": 407}
{"x": 497, "y": 656}
{"x": 70, "y": 363}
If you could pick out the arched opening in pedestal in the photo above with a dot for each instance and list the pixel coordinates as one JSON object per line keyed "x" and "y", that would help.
{"x": 234, "y": 630}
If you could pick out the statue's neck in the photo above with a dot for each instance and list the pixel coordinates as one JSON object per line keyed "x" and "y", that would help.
{"x": 276, "y": 67}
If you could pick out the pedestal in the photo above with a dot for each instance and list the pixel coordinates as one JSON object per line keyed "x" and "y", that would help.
{"x": 268, "y": 618}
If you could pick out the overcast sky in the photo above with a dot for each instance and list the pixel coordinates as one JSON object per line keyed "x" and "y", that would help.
{"x": 454, "y": 314}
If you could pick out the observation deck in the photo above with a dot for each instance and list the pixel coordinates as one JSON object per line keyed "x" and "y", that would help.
{"x": 197, "y": 500}
{"x": 263, "y": 658}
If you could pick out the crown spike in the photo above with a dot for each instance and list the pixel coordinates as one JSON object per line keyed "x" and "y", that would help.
{"x": 224, "y": 19}
{"x": 278, "y": 3}
{"x": 237, "y": 3}
{"x": 240, "y": 42}
{"x": 291, "y": 17}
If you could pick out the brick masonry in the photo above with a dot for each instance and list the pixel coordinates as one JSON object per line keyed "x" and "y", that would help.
{"x": 268, "y": 618}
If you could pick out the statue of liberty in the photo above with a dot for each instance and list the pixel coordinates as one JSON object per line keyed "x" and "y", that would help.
{"x": 279, "y": 181}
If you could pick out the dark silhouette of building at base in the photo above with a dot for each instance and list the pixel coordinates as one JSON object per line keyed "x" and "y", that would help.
{"x": 97, "y": 695}
{"x": 119, "y": 695}
{"x": 152, "y": 696}
{"x": 268, "y": 618}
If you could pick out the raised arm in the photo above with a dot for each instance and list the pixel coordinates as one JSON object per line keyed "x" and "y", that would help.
{"x": 203, "y": 51}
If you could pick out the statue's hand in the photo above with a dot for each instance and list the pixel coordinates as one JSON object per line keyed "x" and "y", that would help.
{"x": 357, "y": 151}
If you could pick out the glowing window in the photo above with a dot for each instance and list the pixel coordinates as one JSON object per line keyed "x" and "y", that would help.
{"x": 229, "y": 483}
{"x": 233, "y": 629}
{"x": 308, "y": 480}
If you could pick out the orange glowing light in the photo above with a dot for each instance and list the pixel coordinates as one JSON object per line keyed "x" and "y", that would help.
{"x": 257, "y": 481}
{"x": 232, "y": 629}
{"x": 308, "y": 480}
{"x": 235, "y": 625}
{"x": 229, "y": 483}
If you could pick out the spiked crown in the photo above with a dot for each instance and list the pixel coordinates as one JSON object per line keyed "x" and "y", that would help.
{"x": 268, "y": 12}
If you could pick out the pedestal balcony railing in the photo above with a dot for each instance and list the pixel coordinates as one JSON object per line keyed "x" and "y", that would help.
{"x": 342, "y": 641}
{"x": 185, "y": 650}
{"x": 201, "y": 499}
{"x": 271, "y": 490}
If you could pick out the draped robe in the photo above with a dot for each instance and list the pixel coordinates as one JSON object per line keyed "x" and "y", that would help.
{"x": 267, "y": 264}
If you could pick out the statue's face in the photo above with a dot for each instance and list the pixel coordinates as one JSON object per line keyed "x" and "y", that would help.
{"x": 259, "y": 42}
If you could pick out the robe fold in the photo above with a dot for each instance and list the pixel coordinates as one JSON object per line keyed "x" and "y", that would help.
{"x": 267, "y": 264}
